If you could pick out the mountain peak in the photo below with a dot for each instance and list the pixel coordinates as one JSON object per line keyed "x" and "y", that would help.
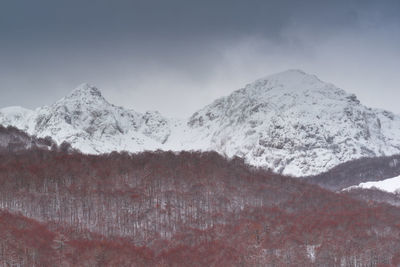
{"x": 292, "y": 76}
{"x": 292, "y": 71}
{"x": 289, "y": 81}
{"x": 86, "y": 94}
{"x": 86, "y": 89}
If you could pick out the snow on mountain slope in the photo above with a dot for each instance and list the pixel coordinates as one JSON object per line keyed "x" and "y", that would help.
{"x": 86, "y": 120}
{"x": 391, "y": 185}
{"x": 17, "y": 116}
{"x": 290, "y": 122}
{"x": 295, "y": 124}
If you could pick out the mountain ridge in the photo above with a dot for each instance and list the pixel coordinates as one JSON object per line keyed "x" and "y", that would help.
{"x": 290, "y": 122}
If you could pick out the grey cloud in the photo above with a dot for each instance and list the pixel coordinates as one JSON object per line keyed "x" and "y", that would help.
{"x": 152, "y": 54}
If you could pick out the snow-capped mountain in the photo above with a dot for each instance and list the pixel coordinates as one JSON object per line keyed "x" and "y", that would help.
{"x": 296, "y": 124}
{"x": 290, "y": 122}
{"x": 88, "y": 122}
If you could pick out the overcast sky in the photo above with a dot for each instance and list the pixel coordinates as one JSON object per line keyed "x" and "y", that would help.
{"x": 175, "y": 56}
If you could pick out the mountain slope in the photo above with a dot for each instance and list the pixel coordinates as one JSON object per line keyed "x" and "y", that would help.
{"x": 290, "y": 122}
{"x": 13, "y": 140}
{"x": 87, "y": 121}
{"x": 181, "y": 209}
{"x": 391, "y": 185}
{"x": 357, "y": 171}
{"x": 296, "y": 124}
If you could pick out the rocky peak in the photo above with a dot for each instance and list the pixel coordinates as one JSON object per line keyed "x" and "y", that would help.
{"x": 86, "y": 89}
{"x": 290, "y": 82}
{"x": 85, "y": 94}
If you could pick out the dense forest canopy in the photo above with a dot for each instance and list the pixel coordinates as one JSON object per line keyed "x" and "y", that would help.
{"x": 176, "y": 209}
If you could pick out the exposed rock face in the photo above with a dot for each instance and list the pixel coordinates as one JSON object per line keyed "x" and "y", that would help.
{"x": 290, "y": 122}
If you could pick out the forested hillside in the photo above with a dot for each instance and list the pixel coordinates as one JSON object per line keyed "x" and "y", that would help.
{"x": 357, "y": 171}
{"x": 180, "y": 209}
{"x": 14, "y": 140}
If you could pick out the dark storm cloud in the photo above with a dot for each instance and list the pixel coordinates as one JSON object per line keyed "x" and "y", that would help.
{"x": 152, "y": 54}
{"x": 83, "y": 20}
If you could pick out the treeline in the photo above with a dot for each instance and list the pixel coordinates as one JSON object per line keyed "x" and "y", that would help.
{"x": 375, "y": 195}
{"x": 181, "y": 209}
{"x": 14, "y": 140}
{"x": 358, "y": 171}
